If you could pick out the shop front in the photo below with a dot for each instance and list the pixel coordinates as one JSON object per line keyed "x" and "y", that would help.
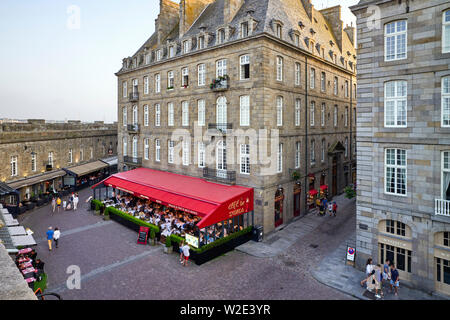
{"x": 202, "y": 213}
{"x": 323, "y": 192}
{"x": 85, "y": 175}
{"x": 398, "y": 251}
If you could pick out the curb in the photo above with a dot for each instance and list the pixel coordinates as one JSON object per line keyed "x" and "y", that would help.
{"x": 338, "y": 289}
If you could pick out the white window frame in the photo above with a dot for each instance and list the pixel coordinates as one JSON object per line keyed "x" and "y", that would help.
{"x": 135, "y": 115}
{"x": 396, "y": 167}
{"x": 146, "y": 149}
{"x": 185, "y": 113}
{"x": 445, "y": 102}
{"x": 124, "y": 116}
{"x": 125, "y": 146}
{"x": 201, "y": 106}
{"x": 157, "y": 83}
{"x": 134, "y": 147}
{"x": 313, "y": 152}
{"x": 279, "y": 68}
{"x": 70, "y": 155}
{"x": 396, "y": 99}
{"x": 312, "y": 78}
{"x": 245, "y": 29}
{"x": 171, "y": 51}
{"x": 157, "y": 150}
{"x": 186, "y": 48}
{"x": 125, "y": 89}
{"x": 297, "y": 116}
{"x": 201, "y": 154}
{"x": 146, "y": 85}
{"x": 221, "y": 68}
{"x": 297, "y": 155}
{"x": 443, "y": 170}
{"x": 170, "y": 80}
{"x": 395, "y": 35}
{"x": 244, "y": 163}
{"x": 14, "y": 166}
{"x": 201, "y": 74}
{"x": 312, "y": 113}
{"x": 335, "y": 115}
{"x": 185, "y": 153}
{"x": 201, "y": 42}
{"x": 322, "y": 115}
{"x": 322, "y": 155}
{"x": 280, "y": 111}
{"x": 244, "y": 111}
{"x": 446, "y": 31}
{"x": 158, "y": 55}
{"x": 170, "y": 114}
{"x": 323, "y": 80}
{"x": 170, "y": 151}
{"x": 145, "y": 115}
{"x": 185, "y": 77}
{"x": 244, "y": 61}
{"x": 336, "y": 86}
{"x": 280, "y": 158}
{"x": 157, "y": 115}
{"x": 297, "y": 74}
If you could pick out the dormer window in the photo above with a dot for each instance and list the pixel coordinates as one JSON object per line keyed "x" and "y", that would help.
{"x": 297, "y": 40}
{"x": 220, "y": 36}
{"x": 201, "y": 42}
{"x": 185, "y": 46}
{"x": 158, "y": 55}
{"x": 279, "y": 30}
{"x": 148, "y": 58}
{"x": 244, "y": 30}
{"x": 171, "y": 51}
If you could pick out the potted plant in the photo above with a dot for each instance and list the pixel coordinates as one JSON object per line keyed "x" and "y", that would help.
{"x": 152, "y": 238}
{"x": 168, "y": 248}
{"x": 295, "y": 176}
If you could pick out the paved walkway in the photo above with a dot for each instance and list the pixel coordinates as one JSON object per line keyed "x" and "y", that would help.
{"x": 334, "y": 273}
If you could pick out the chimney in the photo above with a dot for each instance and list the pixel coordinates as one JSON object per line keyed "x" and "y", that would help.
{"x": 167, "y": 19}
{"x": 333, "y": 16}
{"x": 190, "y": 10}
{"x": 351, "y": 32}
{"x": 230, "y": 8}
{"x": 308, "y": 6}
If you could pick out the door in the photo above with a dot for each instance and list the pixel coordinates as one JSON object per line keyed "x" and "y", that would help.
{"x": 279, "y": 197}
{"x": 221, "y": 114}
{"x": 334, "y": 171}
{"x": 297, "y": 193}
{"x": 221, "y": 159}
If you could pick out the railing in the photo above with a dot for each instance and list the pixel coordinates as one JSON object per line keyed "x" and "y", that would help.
{"x": 133, "y": 128}
{"x": 220, "y": 175}
{"x": 222, "y": 127}
{"x": 220, "y": 84}
{"x": 134, "y": 96}
{"x": 132, "y": 160}
{"x": 442, "y": 207}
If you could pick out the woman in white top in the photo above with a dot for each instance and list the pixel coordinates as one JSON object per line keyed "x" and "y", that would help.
{"x": 369, "y": 268}
{"x": 56, "y": 235}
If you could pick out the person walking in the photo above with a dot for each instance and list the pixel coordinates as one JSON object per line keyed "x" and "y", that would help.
{"x": 330, "y": 208}
{"x": 75, "y": 201}
{"x": 53, "y": 204}
{"x": 58, "y": 203}
{"x": 56, "y": 235}
{"x": 64, "y": 205}
{"x": 181, "y": 251}
{"x": 186, "y": 254}
{"x": 386, "y": 271}
{"x": 378, "y": 281}
{"x": 50, "y": 234}
{"x": 369, "y": 269}
{"x": 334, "y": 208}
{"x": 395, "y": 279}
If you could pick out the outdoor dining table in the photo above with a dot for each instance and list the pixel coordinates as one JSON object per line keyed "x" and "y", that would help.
{"x": 29, "y": 280}
{"x": 22, "y": 260}
{"x": 28, "y": 270}
{"x": 25, "y": 250}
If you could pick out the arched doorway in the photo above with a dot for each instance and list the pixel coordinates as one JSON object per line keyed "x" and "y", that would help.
{"x": 279, "y": 197}
{"x": 297, "y": 196}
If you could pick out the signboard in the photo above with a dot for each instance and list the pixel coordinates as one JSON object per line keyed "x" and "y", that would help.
{"x": 193, "y": 241}
{"x": 351, "y": 254}
{"x": 143, "y": 235}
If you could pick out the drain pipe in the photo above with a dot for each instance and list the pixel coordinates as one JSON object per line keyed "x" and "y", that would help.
{"x": 306, "y": 134}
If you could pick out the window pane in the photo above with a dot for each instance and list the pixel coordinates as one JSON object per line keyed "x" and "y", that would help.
{"x": 401, "y": 259}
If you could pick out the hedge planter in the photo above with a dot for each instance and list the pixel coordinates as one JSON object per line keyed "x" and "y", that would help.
{"x": 128, "y": 220}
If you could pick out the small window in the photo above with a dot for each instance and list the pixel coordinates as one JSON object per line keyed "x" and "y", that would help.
{"x": 220, "y": 36}
{"x": 395, "y": 171}
{"x": 170, "y": 80}
{"x": 297, "y": 74}
{"x": 446, "y": 32}
{"x": 322, "y": 82}
{"x": 279, "y": 30}
{"x": 445, "y": 103}
{"x": 185, "y": 77}
{"x": 245, "y": 110}
{"x": 185, "y": 46}
{"x": 201, "y": 42}
{"x": 245, "y": 67}
{"x": 279, "y": 69}
{"x": 201, "y": 74}
{"x": 312, "y": 79}
{"x": 244, "y": 29}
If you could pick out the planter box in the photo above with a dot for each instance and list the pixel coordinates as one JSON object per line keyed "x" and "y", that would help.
{"x": 31, "y": 205}
{"x": 201, "y": 258}
{"x": 40, "y": 202}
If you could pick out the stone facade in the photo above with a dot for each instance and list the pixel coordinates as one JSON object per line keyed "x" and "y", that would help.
{"x": 95, "y": 140}
{"x": 423, "y": 137}
{"x": 320, "y": 46}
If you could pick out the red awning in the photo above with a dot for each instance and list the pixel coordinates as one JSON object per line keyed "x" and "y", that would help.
{"x": 313, "y": 192}
{"x": 323, "y": 187}
{"x": 211, "y": 201}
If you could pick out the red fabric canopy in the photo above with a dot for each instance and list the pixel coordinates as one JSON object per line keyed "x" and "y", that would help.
{"x": 211, "y": 201}
{"x": 313, "y": 192}
{"x": 323, "y": 187}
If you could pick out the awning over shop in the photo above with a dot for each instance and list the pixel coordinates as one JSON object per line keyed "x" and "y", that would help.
{"x": 111, "y": 161}
{"x": 87, "y": 168}
{"x": 6, "y": 190}
{"x": 312, "y": 192}
{"x": 37, "y": 179}
{"x": 213, "y": 202}
{"x": 323, "y": 187}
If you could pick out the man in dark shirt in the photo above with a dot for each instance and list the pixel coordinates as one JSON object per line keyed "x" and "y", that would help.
{"x": 395, "y": 279}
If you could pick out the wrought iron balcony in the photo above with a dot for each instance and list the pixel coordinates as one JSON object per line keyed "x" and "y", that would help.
{"x": 442, "y": 207}
{"x": 220, "y": 175}
{"x": 132, "y": 160}
{"x": 134, "y": 96}
{"x": 220, "y": 84}
{"x": 222, "y": 127}
{"x": 133, "y": 128}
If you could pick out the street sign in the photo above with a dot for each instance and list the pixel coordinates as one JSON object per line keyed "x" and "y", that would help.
{"x": 351, "y": 254}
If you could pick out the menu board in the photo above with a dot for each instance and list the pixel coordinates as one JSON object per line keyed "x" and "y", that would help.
{"x": 143, "y": 235}
{"x": 193, "y": 241}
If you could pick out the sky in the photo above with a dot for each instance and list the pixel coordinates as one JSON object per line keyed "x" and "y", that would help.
{"x": 58, "y": 57}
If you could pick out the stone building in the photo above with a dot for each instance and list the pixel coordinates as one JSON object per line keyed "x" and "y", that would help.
{"x": 403, "y": 138}
{"x": 196, "y": 98}
{"x": 34, "y": 154}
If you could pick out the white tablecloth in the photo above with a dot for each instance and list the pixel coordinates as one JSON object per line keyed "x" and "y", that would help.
{"x": 17, "y": 231}
{"x": 23, "y": 241}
